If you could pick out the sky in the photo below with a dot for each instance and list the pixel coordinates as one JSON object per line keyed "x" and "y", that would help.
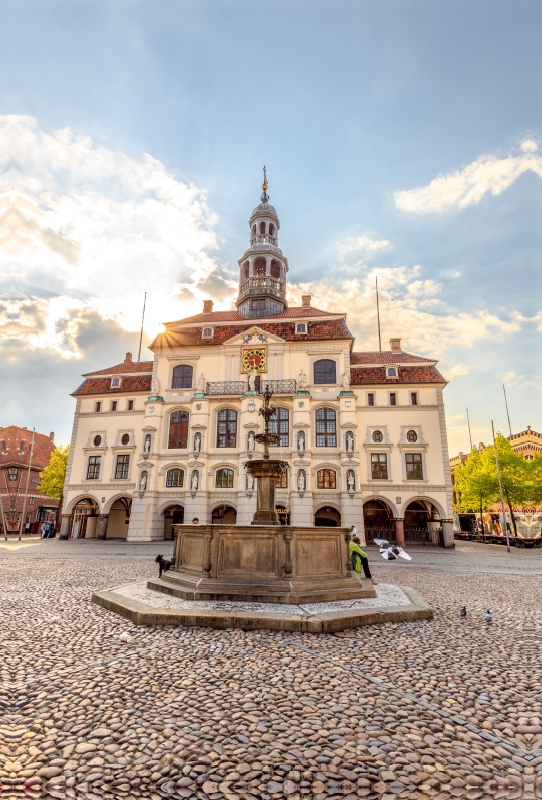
{"x": 402, "y": 140}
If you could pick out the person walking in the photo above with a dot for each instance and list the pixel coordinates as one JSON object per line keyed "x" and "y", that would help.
{"x": 359, "y": 559}
{"x": 27, "y": 528}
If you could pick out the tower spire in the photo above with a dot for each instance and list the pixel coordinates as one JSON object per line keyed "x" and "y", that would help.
{"x": 264, "y": 197}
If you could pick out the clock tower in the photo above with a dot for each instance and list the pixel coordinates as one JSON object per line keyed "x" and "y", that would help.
{"x": 263, "y": 268}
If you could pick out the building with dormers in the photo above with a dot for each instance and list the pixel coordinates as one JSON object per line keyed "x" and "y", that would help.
{"x": 166, "y": 441}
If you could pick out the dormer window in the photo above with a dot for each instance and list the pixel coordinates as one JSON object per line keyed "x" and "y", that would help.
{"x": 207, "y": 333}
{"x": 301, "y": 327}
{"x": 391, "y": 372}
{"x": 115, "y": 383}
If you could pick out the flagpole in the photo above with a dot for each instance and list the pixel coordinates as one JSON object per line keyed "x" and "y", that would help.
{"x": 27, "y": 482}
{"x": 141, "y": 334}
{"x": 505, "y": 527}
{"x": 507, "y": 414}
{"x": 468, "y": 423}
{"x": 378, "y": 315}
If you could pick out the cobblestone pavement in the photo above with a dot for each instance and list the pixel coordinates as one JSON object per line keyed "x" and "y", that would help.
{"x": 430, "y": 709}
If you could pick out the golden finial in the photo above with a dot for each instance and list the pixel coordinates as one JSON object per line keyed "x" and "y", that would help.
{"x": 264, "y": 187}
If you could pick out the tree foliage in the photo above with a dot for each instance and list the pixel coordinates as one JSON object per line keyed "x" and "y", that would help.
{"x": 53, "y": 476}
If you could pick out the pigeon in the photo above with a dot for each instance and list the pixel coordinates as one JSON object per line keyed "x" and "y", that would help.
{"x": 390, "y": 552}
{"x": 463, "y": 612}
{"x": 489, "y": 616}
{"x": 124, "y": 637}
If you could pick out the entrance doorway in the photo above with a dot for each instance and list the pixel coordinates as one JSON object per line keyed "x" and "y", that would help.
{"x": 284, "y": 514}
{"x": 174, "y": 515}
{"x": 119, "y": 518}
{"x": 224, "y": 515}
{"x": 84, "y": 520}
{"x": 327, "y": 517}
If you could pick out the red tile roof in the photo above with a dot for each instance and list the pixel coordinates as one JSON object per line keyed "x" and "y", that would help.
{"x": 234, "y": 316}
{"x": 325, "y": 330}
{"x": 388, "y": 357}
{"x": 361, "y": 376}
{"x": 126, "y": 368}
{"x": 10, "y": 448}
{"x": 130, "y": 383}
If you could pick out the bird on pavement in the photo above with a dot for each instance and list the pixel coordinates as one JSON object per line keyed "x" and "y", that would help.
{"x": 463, "y": 612}
{"x": 390, "y": 552}
{"x": 489, "y": 616}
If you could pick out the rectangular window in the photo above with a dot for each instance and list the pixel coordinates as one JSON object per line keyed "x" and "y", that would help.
{"x": 279, "y": 423}
{"x": 34, "y": 479}
{"x": 379, "y": 466}
{"x": 226, "y": 435}
{"x": 114, "y": 404}
{"x": 121, "y": 470}
{"x": 31, "y": 501}
{"x": 326, "y": 428}
{"x": 326, "y": 479}
{"x": 98, "y": 406}
{"x": 414, "y": 398}
{"x": 414, "y": 468}
{"x": 370, "y": 399}
{"x": 93, "y": 469}
{"x": 130, "y": 405}
{"x": 393, "y": 399}
{"x": 282, "y": 482}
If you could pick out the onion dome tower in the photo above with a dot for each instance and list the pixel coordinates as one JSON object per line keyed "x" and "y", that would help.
{"x": 262, "y": 268}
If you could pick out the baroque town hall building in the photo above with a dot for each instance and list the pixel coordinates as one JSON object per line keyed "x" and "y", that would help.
{"x": 166, "y": 441}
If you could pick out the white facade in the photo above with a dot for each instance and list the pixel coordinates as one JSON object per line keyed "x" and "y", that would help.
{"x": 355, "y": 427}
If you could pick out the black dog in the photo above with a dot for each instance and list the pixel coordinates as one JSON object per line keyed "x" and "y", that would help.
{"x": 163, "y": 564}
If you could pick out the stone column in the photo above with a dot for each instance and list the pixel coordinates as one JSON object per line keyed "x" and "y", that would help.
{"x": 448, "y": 532}
{"x": 65, "y": 526}
{"x": 102, "y": 526}
{"x": 400, "y": 531}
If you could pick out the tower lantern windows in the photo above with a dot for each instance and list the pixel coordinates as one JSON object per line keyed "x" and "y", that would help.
{"x": 271, "y": 229}
{"x": 260, "y": 266}
{"x": 275, "y": 269}
{"x": 262, "y": 228}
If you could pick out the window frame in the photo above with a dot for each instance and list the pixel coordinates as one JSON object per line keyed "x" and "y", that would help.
{"x": 418, "y": 463}
{"x": 11, "y": 476}
{"x": 369, "y": 396}
{"x": 116, "y": 383}
{"x": 389, "y": 371}
{"x": 122, "y": 467}
{"x": 299, "y": 325}
{"x": 324, "y": 475}
{"x": 414, "y": 399}
{"x": 377, "y": 433}
{"x": 114, "y": 405}
{"x": 392, "y": 399}
{"x": 207, "y": 335}
{"x": 275, "y": 425}
{"x": 170, "y": 484}
{"x": 229, "y": 436}
{"x": 230, "y": 478}
{"x": 97, "y": 406}
{"x": 329, "y": 436}
{"x": 380, "y": 459}
{"x": 129, "y": 405}
{"x": 326, "y": 376}
{"x": 184, "y": 434}
{"x": 182, "y": 378}
{"x": 94, "y": 462}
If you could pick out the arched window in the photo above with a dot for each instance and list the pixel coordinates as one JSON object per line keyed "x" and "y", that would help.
{"x": 275, "y": 269}
{"x": 326, "y": 428}
{"x": 260, "y": 267}
{"x": 262, "y": 227}
{"x": 245, "y": 271}
{"x": 182, "y": 377}
{"x": 226, "y": 434}
{"x": 254, "y": 230}
{"x": 125, "y": 438}
{"x": 178, "y": 430}
{"x": 271, "y": 230}
{"x": 224, "y": 478}
{"x": 301, "y": 327}
{"x": 175, "y": 477}
{"x": 391, "y": 372}
{"x": 279, "y": 423}
{"x": 326, "y": 479}
{"x": 325, "y": 371}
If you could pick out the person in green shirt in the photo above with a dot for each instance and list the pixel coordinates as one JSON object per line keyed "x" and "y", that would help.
{"x": 359, "y": 558}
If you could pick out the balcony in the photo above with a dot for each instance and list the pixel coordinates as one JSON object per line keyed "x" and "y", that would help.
{"x": 265, "y": 283}
{"x": 279, "y": 387}
{"x": 226, "y": 387}
{"x": 231, "y": 388}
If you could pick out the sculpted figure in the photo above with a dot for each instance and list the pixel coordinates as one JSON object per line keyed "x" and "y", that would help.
{"x": 201, "y": 383}
{"x": 300, "y": 441}
{"x": 300, "y": 482}
{"x": 252, "y": 381}
{"x": 302, "y": 379}
{"x": 143, "y": 482}
{"x": 350, "y": 444}
{"x": 155, "y": 386}
{"x": 194, "y": 482}
{"x": 147, "y": 448}
{"x": 197, "y": 444}
{"x": 251, "y": 442}
{"x": 351, "y": 481}
{"x": 250, "y": 482}
{"x": 346, "y": 381}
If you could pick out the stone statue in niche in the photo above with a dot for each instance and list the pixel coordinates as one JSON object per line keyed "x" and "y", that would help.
{"x": 300, "y": 481}
{"x": 143, "y": 482}
{"x": 351, "y": 480}
{"x": 250, "y": 482}
{"x": 350, "y": 444}
{"x": 197, "y": 443}
{"x": 251, "y": 443}
{"x": 148, "y": 441}
{"x": 194, "y": 482}
{"x": 155, "y": 386}
{"x": 201, "y": 383}
{"x": 345, "y": 381}
{"x": 301, "y": 441}
{"x": 302, "y": 379}
{"x": 252, "y": 381}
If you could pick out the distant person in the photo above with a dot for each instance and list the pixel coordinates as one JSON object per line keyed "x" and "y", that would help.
{"x": 27, "y": 528}
{"x": 43, "y": 531}
{"x": 195, "y": 521}
{"x": 359, "y": 558}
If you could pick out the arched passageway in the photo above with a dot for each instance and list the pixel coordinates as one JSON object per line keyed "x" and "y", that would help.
{"x": 378, "y": 521}
{"x": 328, "y": 517}
{"x": 84, "y": 521}
{"x": 224, "y": 515}
{"x": 174, "y": 515}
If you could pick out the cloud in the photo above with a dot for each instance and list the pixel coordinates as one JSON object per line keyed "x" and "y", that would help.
{"x": 408, "y": 309}
{"x": 488, "y": 174}
{"x": 363, "y": 245}
{"x": 86, "y": 231}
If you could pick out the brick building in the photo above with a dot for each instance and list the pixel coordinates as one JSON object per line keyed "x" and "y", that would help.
{"x": 20, "y": 466}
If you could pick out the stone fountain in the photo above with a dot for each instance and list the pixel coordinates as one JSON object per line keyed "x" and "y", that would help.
{"x": 266, "y": 470}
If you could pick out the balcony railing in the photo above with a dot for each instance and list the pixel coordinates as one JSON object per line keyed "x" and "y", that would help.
{"x": 264, "y": 282}
{"x": 279, "y": 387}
{"x": 226, "y": 387}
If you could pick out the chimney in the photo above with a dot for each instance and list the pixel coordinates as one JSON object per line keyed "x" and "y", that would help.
{"x": 207, "y": 306}
{"x": 305, "y": 301}
{"x": 52, "y": 434}
{"x": 128, "y": 359}
{"x": 395, "y": 345}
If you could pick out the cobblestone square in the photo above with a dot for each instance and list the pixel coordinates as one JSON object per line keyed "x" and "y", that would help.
{"x": 429, "y": 709}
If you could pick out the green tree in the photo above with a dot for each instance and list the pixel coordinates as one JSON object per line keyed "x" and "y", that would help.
{"x": 516, "y": 486}
{"x": 53, "y": 476}
{"x": 476, "y": 484}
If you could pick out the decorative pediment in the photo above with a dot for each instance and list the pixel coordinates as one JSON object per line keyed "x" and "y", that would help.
{"x": 254, "y": 336}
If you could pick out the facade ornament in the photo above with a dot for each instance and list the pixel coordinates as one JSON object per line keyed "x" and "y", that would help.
{"x": 300, "y": 481}
{"x": 195, "y": 481}
{"x": 251, "y": 406}
{"x": 351, "y": 480}
{"x": 346, "y": 381}
{"x": 250, "y": 482}
{"x": 155, "y": 387}
{"x": 252, "y": 381}
{"x": 251, "y": 443}
{"x": 198, "y": 406}
{"x": 302, "y": 379}
{"x": 143, "y": 482}
{"x": 201, "y": 383}
{"x": 197, "y": 443}
{"x": 349, "y": 444}
{"x": 148, "y": 441}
